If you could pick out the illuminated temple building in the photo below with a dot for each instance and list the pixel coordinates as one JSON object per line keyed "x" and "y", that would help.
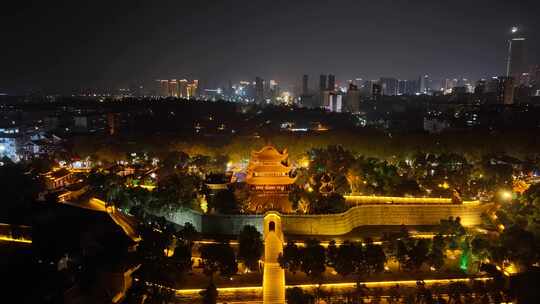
{"x": 269, "y": 178}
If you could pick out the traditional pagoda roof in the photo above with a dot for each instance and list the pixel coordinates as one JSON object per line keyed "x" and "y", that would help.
{"x": 270, "y": 168}
{"x": 269, "y": 153}
{"x": 267, "y": 167}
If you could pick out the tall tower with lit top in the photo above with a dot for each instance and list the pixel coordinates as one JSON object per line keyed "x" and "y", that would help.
{"x": 516, "y": 63}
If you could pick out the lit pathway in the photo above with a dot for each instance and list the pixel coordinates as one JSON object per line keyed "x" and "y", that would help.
{"x": 274, "y": 275}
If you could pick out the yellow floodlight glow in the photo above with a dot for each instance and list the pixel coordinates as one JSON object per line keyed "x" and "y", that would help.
{"x": 10, "y": 239}
{"x": 506, "y": 195}
{"x": 444, "y": 185}
{"x": 330, "y": 285}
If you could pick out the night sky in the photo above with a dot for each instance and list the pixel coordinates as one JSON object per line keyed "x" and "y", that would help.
{"x": 56, "y": 46}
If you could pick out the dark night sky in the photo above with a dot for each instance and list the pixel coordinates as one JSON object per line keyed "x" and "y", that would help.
{"x": 55, "y": 45}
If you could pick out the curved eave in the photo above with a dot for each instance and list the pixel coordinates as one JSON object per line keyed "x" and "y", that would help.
{"x": 270, "y": 180}
{"x": 269, "y": 153}
{"x": 275, "y": 168}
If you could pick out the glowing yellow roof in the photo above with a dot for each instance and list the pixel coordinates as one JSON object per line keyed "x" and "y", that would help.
{"x": 269, "y": 153}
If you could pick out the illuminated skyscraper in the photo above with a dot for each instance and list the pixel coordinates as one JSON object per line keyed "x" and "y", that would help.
{"x": 192, "y": 89}
{"x": 182, "y": 88}
{"x": 516, "y": 64}
{"x": 173, "y": 88}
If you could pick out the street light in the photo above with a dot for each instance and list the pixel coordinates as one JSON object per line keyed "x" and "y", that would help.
{"x": 506, "y": 195}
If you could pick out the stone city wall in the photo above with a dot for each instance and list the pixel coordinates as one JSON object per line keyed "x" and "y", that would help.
{"x": 336, "y": 224}
{"x": 216, "y": 224}
{"x": 379, "y": 215}
{"x": 186, "y": 215}
{"x": 353, "y": 200}
{"x": 230, "y": 224}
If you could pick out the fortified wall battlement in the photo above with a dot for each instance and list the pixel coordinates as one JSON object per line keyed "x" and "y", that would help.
{"x": 381, "y": 215}
{"x": 216, "y": 224}
{"x": 353, "y": 200}
{"x": 337, "y": 224}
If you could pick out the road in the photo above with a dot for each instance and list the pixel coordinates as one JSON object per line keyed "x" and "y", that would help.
{"x": 274, "y": 275}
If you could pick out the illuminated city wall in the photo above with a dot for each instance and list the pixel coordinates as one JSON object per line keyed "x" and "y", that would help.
{"x": 380, "y": 215}
{"x": 361, "y": 199}
{"x": 337, "y": 224}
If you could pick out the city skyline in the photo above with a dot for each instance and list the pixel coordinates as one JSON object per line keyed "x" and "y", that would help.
{"x": 270, "y": 152}
{"x": 100, "y": 46}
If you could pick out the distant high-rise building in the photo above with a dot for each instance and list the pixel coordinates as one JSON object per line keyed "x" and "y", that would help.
{"x": 229, "y": 91}
{"x": 305, "y": 87}
{"x": 516, "y": 64}
{"x": 331, "y": 82}
{"x": 501, "y": 89}
{"x": 333, "y": 101}
{"x": 266, "y": 86}
{"x": 306, "y": 99}
{"x": 274, "y": 90}
{"x": 323, "y": 82}
{"x": 408, "y": 87}
{"x": 182, "y": 88}
{"x": 173, "y": 88}
{"x": 352, "y": 99}
{"x": 366, "y": 89}
{"x": 448, "y": 85}
{"x": 272, "y": 84}
{"x": 506, "y": 90}
{"x": 402, "y": 87}
{"x": 259, "y": 90}
{"x": 192, "y": 89}
{"x": 163, "y": 88}
{"x": 389, "y": 86}
{"x": 480, "y": 87}
{"x": 424, "y": 82}
{"x": 376, "y": 91}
